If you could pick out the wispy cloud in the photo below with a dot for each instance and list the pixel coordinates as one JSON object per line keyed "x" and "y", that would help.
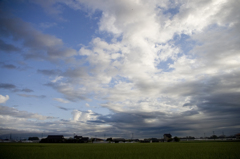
{"x": 61, "y": 100}
{"x": 63, "y": 108}
{"x": 32, "y": 96}
{"x": 13, "y": 88}
{"x": 49, "y": 72}
{"x": 13, "y": 112}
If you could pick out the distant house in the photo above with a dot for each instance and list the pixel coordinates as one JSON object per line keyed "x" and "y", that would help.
{"x": 53, "y": 139}
{"x": 85, "y": 139}
{"x": 237, "y": 136}
{"x": 81, "y": 139}
{"x": 135, "y": 140}
{"x": 117, "y": 140}
{"x": 34, "y": 139}
{"x": 77, "y": 137}
{"x": 96, "y": 139}
{"x": 167, "y": 137}
{"x": 154, "y": 139}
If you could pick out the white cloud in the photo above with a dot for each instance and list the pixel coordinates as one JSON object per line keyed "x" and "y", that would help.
{"x": 127, "y": 72}
{"x": 57, "y": 79}
{"x": 3, "y": 99}
{"x": 87, "y": 105}
{"x": 83, "y": 116}
{"x": 61, "y": 100}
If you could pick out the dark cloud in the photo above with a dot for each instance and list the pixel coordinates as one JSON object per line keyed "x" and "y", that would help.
{"x": 207, "y": 117}
{"x": 41, "y": 46}
{"x": 7, "y": 86}
{"x": 69, "y": 91}
{"x": 23, "y": 90}
{"x": 49, "y": 72}
{"x": 32, "y": 96}
{"x": 63, "y": 108}
{"x": 76, "y": 73}
{"x": 8, "y": 47}
{"x": 14, "y": 88}
{"x": 26, "y": 90}
{"x": 9, "y": 66}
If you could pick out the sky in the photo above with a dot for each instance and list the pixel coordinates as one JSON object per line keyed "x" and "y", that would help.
{"x": 119, "y": 68}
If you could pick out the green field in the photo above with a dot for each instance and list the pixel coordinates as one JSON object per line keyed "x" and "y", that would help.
{"x": 181, "y": 150}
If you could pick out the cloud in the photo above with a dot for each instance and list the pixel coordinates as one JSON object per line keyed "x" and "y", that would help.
{"x": 47, "y": 25}
{"x": 39, "y": 45}
{"x": 23, "y": 90}
{"x": 71, "y": 93}
{"x": 14, "y": 88}
{"x": 32, "y": 96}
{"x": 7, "y": 86}
{"x": 9, "y": 66}
{"x": 49, "y": 72}
{"x": 83, "y": 116}
{"x": 55, "y": 7}
{"x": 61, "y": 100}
{"x": 27, "y": 90}
{"x": 125, "y": 71}
{"x": 87, "y": 105}
{"x": 3, "y": 99}
{"x": 164, "y": 66}
{"x": 63, "y": 108}
{"x": 8, "y": 47}
{"x": 57, "y": 79}
{"x": 7, "y": 111}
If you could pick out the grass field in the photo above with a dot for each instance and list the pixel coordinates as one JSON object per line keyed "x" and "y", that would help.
{"x": 181, "y": 150}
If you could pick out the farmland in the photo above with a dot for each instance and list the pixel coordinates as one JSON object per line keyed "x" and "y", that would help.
{"x": 183, "y": 150}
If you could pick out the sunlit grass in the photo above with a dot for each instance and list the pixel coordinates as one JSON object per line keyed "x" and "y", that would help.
{"x": 193, "y": 150}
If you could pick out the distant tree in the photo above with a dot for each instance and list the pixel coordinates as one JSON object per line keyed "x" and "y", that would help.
{"x": 170, "y": 140}
{"x": 92, "y": 139}
{"x": 109, "y": 139}
{"x": 222, "y": 136}
{"x": 214, "y": 137}
{"x": 190, "y": 137}
{"x": 176, "y": 139}
{"x": 33, "y": 138}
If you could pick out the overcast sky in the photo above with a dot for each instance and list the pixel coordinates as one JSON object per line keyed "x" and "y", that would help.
{"x": 117, "y": 67}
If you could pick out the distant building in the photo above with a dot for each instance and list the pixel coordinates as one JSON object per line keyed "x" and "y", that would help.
{"x": 135, "y": 140}
{"x": 34, "y": 139}
{"x": 150, "y": 140}
{"x": 117, "y": 140}
{"x": 237, "y": 136}
{"x": 154, "y": 139}
{"x": 53, "y": 139}
{"x": 81, "y": 139}
{"x": 77, "y": 137}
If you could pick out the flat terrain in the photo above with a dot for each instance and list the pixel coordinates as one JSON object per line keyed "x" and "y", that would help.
{"x": 181, "y": 150}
